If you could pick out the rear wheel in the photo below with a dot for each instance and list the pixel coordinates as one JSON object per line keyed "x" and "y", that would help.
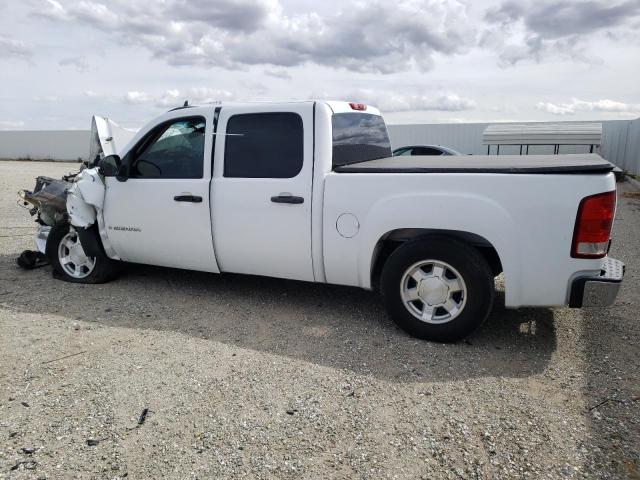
{"x": 437, "y": 288}
{"x": 69, "y": 260}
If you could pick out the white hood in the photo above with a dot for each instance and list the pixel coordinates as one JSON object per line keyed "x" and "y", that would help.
{"x": 107, "y": 138}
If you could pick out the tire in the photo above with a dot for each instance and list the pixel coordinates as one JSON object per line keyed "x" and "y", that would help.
{"x": 63, "y": 243}
{"x": 452, "y": 275}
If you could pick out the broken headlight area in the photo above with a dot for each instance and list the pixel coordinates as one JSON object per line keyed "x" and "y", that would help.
{"x": 48, "y": 200}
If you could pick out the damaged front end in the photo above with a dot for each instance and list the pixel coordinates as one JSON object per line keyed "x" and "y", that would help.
{"x": 78, "y": 198}
{"x": 75, "y": 199}
{"x": 48, "y": 202}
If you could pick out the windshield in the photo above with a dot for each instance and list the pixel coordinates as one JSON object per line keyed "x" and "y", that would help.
{"x": 358, "y": 137}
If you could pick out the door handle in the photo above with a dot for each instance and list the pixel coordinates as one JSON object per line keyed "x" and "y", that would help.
{"x": 287, "y": 199}
{"x": 188, "y": 198}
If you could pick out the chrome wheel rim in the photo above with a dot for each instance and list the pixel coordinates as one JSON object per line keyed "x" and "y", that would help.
{"x": 433, "y": 291}
{"x": 72, "y": 258}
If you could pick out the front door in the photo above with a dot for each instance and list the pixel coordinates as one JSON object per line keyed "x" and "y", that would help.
{"x": 160, "y": 215}
{"x": 261, "y": 190}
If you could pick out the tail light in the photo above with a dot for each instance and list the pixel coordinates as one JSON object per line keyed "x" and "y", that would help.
{"x": 358, "y": 106}
{"x": 593, "y": 226}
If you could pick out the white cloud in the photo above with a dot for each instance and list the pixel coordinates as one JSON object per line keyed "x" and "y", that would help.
{"x": 12, "y": 48}
{"x": 135, "y": 97}
{"x": 533, "y": 30}
{"x": 397, "y": 102}
{"x": 92, "y": 94}
{"x": 46, "y": 98}
{"x": 286, "y": 49}
{"x": 562, "y": 18}
{"x": 554, "y": 109}
{"x": 55, "y": 11}
{"x": 237, "y": 33}
{"x": 175, "y": 98}
{"x": 80, "y": 62}
{"x": 206, "y": 95}
{"x": 576, "y": 105}
{"x": 280, "y": 73}
{"x": 11, "y": 124}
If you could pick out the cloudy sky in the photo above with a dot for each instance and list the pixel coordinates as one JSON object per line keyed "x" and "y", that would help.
{"x": 418, "y": 60}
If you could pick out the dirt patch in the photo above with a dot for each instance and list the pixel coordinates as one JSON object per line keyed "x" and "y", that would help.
{"x": 631, "y": 195}
{"x": 174, "y": 374}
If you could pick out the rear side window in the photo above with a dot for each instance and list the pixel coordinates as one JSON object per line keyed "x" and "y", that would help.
{"x": 403, "y": 151}
{"x": 425, "y": 151}
{"x": 358, "y": 137}
{"x": 264, "y": 145}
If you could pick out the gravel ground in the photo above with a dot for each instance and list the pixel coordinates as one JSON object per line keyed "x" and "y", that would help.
{"x": 250, "y": 377}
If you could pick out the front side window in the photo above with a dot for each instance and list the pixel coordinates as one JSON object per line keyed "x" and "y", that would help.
{"x": 264, "y": 145}
{"x": 174, "y": 150}
{"x": 358, "y": 137}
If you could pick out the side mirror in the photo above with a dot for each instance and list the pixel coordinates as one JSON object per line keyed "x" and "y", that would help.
{"x": 110, "y": 165}
{"x": 123, "y": 173}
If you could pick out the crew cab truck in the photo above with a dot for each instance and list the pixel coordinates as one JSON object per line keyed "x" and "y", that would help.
{"x": 310, "y": 191}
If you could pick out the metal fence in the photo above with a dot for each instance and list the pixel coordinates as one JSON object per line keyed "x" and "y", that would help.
{"x": 620, "y": 144}
{"x": 620, "y": 139}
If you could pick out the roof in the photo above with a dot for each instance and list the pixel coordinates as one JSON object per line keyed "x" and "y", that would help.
{"x": 564, "y": 133}
{"x": 336, "y": 106}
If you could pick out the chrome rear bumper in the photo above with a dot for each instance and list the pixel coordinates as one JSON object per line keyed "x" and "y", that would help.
{"x": 600, "y": 291}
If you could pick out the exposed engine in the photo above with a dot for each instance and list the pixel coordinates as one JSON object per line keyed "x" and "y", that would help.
{"x": 48, "y": 198}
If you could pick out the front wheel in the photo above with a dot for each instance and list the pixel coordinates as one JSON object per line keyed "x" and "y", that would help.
{"x": 437, "y": 288}
{"x": 69, "y": 260}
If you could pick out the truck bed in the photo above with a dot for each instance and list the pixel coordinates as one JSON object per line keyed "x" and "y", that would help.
{"x": 505, "y": 164}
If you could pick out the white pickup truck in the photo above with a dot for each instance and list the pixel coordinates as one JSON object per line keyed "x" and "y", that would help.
{"x": 309, "y": 191}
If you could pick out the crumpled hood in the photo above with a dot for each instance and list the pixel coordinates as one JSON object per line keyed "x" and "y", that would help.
{"x": 107, "y": 138}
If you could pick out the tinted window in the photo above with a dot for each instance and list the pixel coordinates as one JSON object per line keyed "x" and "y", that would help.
{"x": 264, "y": 145}
{"x": 358, "y": 137}
{"x": 175, "y": 150}
{"x": 402, "y": 151}
{"x": 425, "y": 151}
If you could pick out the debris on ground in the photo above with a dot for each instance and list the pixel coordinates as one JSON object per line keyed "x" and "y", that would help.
{"x": 63, "y": 358}
{"x": 26, "y": 464}
{"x": 143, "y": 416}
{"x": 632, "y": 195}
{"x": 30, "y": 259}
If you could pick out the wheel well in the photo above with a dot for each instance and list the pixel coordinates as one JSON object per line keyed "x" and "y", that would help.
{"x": 393, "y": 239}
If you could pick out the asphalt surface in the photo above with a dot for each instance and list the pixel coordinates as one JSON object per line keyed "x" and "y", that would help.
{"x": 251, "y": 377}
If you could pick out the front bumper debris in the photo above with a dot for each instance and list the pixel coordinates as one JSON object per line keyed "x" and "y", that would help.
{"x": 41, "y": 237}
{"x": 598, "y": 291}
{"x": 49, "y": 199}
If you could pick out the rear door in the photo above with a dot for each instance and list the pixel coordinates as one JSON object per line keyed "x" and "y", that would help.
{"x": 261, "y": 190}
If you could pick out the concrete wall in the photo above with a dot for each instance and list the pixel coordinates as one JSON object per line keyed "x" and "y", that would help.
{"x": 621, "y": 141}
{"x": 45, "y": 144}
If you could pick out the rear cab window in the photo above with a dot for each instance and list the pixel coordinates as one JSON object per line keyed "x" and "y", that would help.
{"x": 359, "y": 137}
